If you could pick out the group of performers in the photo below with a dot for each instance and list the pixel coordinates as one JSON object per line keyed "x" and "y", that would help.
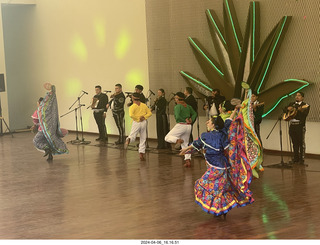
{"x": 231, "y": 146}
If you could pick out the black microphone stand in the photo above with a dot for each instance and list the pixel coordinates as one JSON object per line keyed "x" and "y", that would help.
{"x": 77, "y": 141}
{"x": 198, "y": 125}
{"x": 282, "y": 164}
{"x": 168, "y": 111}
{"x": 148, "y": 102}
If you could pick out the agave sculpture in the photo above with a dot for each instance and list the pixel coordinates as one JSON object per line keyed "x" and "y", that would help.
{"x": 241, "y": 58}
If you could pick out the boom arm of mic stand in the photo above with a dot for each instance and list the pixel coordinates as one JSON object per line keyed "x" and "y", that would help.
{"x": 71, "y": 111}
{"x": 279, "y": 119}
{"x": 76, "y": 100}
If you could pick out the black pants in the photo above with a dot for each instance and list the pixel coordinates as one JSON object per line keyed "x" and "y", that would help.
{"x": 257, "y": 130}
{"x": 162, "y": 130}
{"x": 191, "y": 135}
{"x": 297, "y": 134}
{"x": 118, "y": 118}
{"x": 100, "y": 120}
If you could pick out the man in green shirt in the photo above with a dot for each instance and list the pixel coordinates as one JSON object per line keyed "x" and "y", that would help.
{"x": 180, "y": 133}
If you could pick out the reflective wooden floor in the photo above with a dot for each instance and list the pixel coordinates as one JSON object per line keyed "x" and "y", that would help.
{"x": 107, "y": 193}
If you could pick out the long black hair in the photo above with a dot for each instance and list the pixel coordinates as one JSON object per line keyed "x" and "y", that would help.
{"x": 218, "y": 122}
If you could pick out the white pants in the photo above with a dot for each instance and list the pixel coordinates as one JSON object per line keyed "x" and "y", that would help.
{"x": 180, "y": 131}
{"x": 139, "y": 128}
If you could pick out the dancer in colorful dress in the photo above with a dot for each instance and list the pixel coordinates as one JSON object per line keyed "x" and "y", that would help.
{"x": 36, "y": 125}
{"x": 48, "y": 138}
{"x": 225, "y": 184}
{"x": 245, "y": 129}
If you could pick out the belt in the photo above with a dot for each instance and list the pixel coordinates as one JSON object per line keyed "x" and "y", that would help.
{"x": 185, "y": 123}
{"x": 98, "y": 110}
{"x": 295, "y": 123}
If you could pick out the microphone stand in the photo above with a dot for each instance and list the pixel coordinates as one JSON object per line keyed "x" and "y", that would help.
{"x": 282, "y": 164}
{"x": 148, "y": 102}
{"x": 198, "y": 126}
{"x": 76, "y": 117}
{"x": 77, "y": 141}
{"x": 168, "y": 109}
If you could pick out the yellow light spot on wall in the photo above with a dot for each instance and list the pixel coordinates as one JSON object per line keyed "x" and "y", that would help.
{"x": 100, "y": 32}
{"x": 122, "y": 44}
{"x": 135, "y": 77}
{"x": 73, "y": 87}
{"x": 79, "y": 48}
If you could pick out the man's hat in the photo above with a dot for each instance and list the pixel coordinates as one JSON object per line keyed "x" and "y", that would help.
{"x": 136, "y": 96}
{"x": 140, "y": 87}
{"x": 180, "y": 95}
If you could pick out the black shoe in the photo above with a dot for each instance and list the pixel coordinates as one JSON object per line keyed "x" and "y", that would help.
{"x": 98, "y": 139}
{"x": 50, "y": 157}
{"x": 46, "y": 152}
{"x": 119, "y": 142}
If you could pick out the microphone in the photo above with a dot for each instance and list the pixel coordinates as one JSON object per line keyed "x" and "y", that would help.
{"x": 84, "y": 92}
{"x": 107, "y": 91}
{"x": 151, "y": 92}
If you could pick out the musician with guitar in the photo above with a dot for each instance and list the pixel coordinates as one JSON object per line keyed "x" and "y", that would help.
{"x": 99, "y": 107}
{"x": 296, "y": 113}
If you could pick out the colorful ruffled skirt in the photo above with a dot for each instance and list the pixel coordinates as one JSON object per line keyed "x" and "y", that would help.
{"x": 50, "y": 135}
{"x": 217, "y": 194}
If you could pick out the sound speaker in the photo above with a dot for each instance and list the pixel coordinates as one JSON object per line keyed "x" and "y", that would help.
{"x": 2, "y": 87}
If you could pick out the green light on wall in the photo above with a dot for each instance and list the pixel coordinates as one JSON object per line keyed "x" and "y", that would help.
{"x": 72, "y": 87}
{"x": 234, "y": 29}
{"x": 135, "y": 76}
{"x": 253, "y": 28}
{"x": 283, "y": 97}
{"x": 197, "y": 81}
{"x": 271, "y": 55}
{"x": 100, "y": 32}
{"x": 123, "y": 44}
{"x": 79, "y": 48}
{"x": 210, "y": 61}
{"x": 216, "y": 26}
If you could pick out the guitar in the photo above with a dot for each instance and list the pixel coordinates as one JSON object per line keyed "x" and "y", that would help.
{"x": 290, "y": 114}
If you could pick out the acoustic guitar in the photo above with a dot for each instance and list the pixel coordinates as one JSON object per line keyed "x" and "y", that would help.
{"x": 289, "y": 115}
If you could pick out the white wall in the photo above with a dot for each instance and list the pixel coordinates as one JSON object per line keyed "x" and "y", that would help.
{"x": 3, "y": 95}
{"x": 74, "y": 45}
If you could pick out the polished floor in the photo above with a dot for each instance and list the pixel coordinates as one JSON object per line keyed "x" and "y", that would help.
{"x": 105, "y": 192}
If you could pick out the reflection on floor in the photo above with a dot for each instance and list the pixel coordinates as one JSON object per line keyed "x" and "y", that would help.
{"x": 105, "y": 192}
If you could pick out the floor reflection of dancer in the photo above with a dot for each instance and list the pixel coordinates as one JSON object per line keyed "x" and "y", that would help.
{"x": 116, "y": 104}
{"x": 48, "y": 138}
{"x": 139, "y": 113}
{"x": 160, "y": 106}
{"x": 180, "y": 133}
{"x": 223, "y": 186}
